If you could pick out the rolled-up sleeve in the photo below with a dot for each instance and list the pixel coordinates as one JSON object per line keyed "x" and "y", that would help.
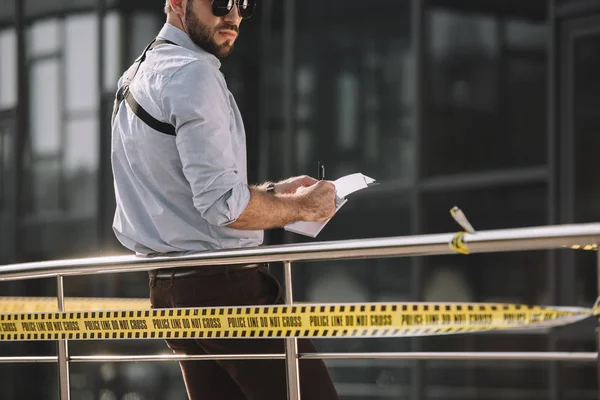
{"x": 196, "y": 103}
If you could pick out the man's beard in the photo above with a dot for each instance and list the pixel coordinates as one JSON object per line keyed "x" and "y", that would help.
{"x": 204, "y": 37}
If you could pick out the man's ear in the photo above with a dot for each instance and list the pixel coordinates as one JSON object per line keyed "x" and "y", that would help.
{"x": 178, "y": 6}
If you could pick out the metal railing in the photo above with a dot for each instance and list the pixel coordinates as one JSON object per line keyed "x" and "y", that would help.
{"x": 523, "y": 239}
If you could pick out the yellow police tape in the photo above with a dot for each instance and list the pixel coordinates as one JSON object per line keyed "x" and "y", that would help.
{"x": 458, "y": 243}
{"x": 50, "y": 304}
{"x": 303, "y": 320}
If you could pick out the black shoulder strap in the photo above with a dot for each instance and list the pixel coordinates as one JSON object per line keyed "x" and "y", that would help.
{"x": 125, "y": 94}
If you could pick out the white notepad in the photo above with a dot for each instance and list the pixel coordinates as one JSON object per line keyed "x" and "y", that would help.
{"x": 344, "y": 186}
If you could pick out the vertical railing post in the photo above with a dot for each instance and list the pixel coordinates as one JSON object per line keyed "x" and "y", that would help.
{"x": 63, "y": 349}
{"x": 291, "y": 345}
{"x": 598, "y": 320}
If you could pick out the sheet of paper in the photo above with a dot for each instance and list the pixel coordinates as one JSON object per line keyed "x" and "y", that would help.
{"x": 343, "y": 187}
{"x": 351, "y": 183}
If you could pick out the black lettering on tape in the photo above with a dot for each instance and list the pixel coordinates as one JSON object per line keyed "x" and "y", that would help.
{"x": 8, "y": 327}
{"x": 92, "y": 325}
{"x": 139, "y": 324}
{"x": 381, "y": 320}
{"x": 176, "y": 323}
{"x": 236, "y": 322}
{"x": 211, "y": 323}
{"x": 161, "y": 324}
{"x": 252, "y": 322}
{"x": 480, "y": 319}
{"x": 292, "y": 322}
{"x": 28, "y": 327}
{"x": 318, "y": 320}
{"x": 361, "y": 320}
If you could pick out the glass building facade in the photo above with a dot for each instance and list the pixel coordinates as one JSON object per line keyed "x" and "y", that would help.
{"x": 491, "y": 106}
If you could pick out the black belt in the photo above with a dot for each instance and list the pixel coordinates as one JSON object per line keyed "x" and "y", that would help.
{"x": 169, "y": 273}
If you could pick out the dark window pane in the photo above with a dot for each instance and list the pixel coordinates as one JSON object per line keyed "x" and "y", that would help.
{"x": 487, "y": 380}
{"x": 7, "y": 11}
{"x": 586, "y": 118}
{"x": 586, "y": 128}
{"x": 486, "y": 93}
{"x": 8, "y": 68}
{"x": 492, "y": 276}
{"x": 7, "y": 203}
{"x": 354, "y": 85}
{"x": 61, "y": 237}
{"x": 43, "y": 192}
{"x": 579, "y": 381}
{"x": 36, "y": 8}
{"x": 80, "y": 166}
{"x": 512, "y": 277}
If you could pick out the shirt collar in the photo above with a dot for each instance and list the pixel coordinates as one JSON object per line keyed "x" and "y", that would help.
{"x": 179, "y": 37}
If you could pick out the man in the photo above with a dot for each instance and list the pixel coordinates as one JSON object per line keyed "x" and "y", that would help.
{"x": 179, "y": 165}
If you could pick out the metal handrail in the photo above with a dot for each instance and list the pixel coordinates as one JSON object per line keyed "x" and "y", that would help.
{"x": 533, "y": 238}
{"x": 520, "y": 239}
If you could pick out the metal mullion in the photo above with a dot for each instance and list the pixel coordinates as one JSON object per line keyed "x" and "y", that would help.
{"x": 552, "y": 194}
{"x": 102, "y": 209}
{"x": 20, "y": 133}
{"x": 264, "y": 115}
{"x": 62, "y": 93}
{"x": 289, "y": 90}
{"x": 566, "y": 139}
{"x": 3, "y": 191}
{"x": 417, "y": 276}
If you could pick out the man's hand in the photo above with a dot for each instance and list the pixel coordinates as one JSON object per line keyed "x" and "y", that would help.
{"x": 291, "y": 185}
{"x": 317, "y": 201}
{"x": 311, "y": 203}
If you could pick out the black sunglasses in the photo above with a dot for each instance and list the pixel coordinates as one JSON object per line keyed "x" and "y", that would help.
{"x": 221, "y": 8}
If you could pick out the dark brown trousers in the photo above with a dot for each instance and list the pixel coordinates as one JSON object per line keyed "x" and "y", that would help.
{"x": 237, "y": 379}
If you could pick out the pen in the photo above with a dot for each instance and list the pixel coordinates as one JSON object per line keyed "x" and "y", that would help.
{"x": 462, "y": 220}
{"x": 321, "y": 172}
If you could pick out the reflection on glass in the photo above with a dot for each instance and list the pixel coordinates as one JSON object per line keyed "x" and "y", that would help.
{"x": 586, "y": 130}
{"x": 522, "y": 34}
{"x": 81, "y": 62}
{"x": 489, "y": 277}
{"x": 81, "y": 165}
{"x": 3, "y": 173}
{"x": 358, "y": 109}
{"x": 81, "y": 153}
{"x": 372, "y": 379}
{"x": 112, "y": 50}
{"x": 144, "y": 27}
{"x": 486, "y": 93}
{"x": 7, "y": 12}
{"x": 586, "y": 103}
{"x": 45, "y": 185}
{"x": 347, "y": 98}
{"x": 45, "y": 117}
{"x": 44, "y": 37}
{"x": 8, "y": 68}
{"x": 512, "y": 277}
